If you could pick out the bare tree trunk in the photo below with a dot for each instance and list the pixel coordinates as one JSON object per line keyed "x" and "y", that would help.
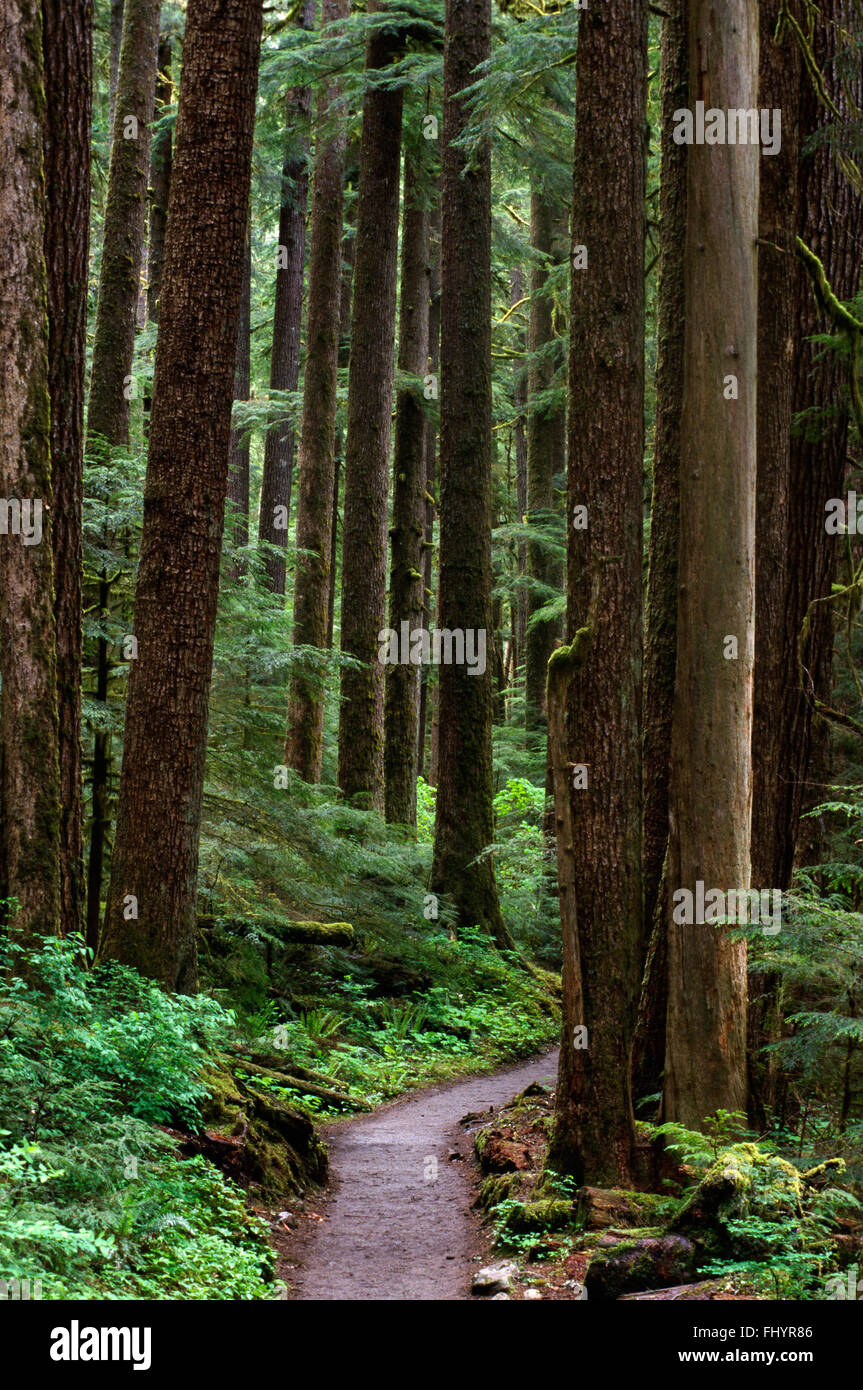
{"x": 660, "y": 636}
{"x": 279, "y": 444}
{"x": 598, "y": 813}
{"x": 29, "y": 735}
{"x": 430, "y": 448}
{"x": 464, "y": 823}
{"x": 150, "y": 917}
{"x": 710, "y": 796}
{"x": 407, "y": 532}
{"x": 367, "y": 451}
{"x": 160, "y": 181}
{"x": 67, "y": 41}
{"x": 238, "y": 452}
{"x": 546, "y": 448}
{"x": 304, "y": 742}
{"x": 123, "y": 238}
{"x": 115, "y": 39}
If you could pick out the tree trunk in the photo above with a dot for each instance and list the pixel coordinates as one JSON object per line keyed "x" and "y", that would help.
{"x": 407, "y": 533}
{"x": 123, "y": 237}
{"x": 115, "y": 39}
{"x": 546, "y": 450}
{"x": 348, "y": 253}
{"x": 29, "y": 735}
{"x": 279, "y": 442}
{"x": 304, "y": 743}
{"x": 710, "y": 796}
{"x": 367, "y": 451}
{"x": 67, "y": 41}
{"x": 831, "y": 224}
{"x": 160, "y": 181}
{"x": 150, "y": 917}
{"x": 520, "y": 439}
{"x": 779, "y": 87}
{"x": 238, "y": 452}
{"x": 599, "y": 825}
{"x": 429, "y": 452}
{"x": 660, "y": 638}
{"x": 464, "y": 823}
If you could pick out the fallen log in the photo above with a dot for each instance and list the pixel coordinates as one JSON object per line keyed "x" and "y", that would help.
{"x": 293, "y": 933}
{"x": 297, "y": 1083}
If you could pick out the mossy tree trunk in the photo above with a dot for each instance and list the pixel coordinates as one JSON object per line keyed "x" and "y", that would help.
{"x": 367, "y": 448}
{"x": 660, "y": 628}
{"x": 464, "y": 823}
{"x": 304, "y": 742}
{"x": 280, "y": 439}
{"x": 710, "y": 794}
{"x": 29, "y": 733}
{"x": 407, "y": 533}
{"x": 68, "y": 74}
{"x": 150, "y": 916}
{"x": 599, "y": 832}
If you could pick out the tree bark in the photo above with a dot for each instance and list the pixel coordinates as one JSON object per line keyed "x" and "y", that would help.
{"x": 160, "y": 181}
{"x": 660, "y": 637}
{"x": 710, "y": 796}
{"x": 238, "y": 451}
{"x": 831, "y": 224}
{"x": 154, "y": 868}
{"x": 546, "y": 449}
{"x": 115, "y": 39}
{"x": 304, "y": 742}
{"x": 123, "y": 237}
{"x": 67, "y": 40}
{"x": 29, "y": 734}
{"x": 599, "y": 825}
{"x": 407, "y": 533}
{"x": 464, "y": 823}
{"x": 279, "y": 442}
{"x": 367, "y": 450}
{"x": 430, "y": 449}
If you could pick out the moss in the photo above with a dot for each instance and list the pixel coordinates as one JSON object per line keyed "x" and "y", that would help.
{"x": 547, "y": 1214}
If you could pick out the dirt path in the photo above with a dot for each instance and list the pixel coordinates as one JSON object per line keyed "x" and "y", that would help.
{"x": 399, "y": 1224}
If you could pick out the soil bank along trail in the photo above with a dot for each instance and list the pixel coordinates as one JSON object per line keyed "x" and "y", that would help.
{"x": 399, "y": 1225}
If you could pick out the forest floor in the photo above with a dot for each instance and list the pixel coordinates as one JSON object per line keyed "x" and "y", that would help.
{"x": 397, "y": 1221}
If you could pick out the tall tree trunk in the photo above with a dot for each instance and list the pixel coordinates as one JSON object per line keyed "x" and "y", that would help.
{"x": 520, "y": 396}
{"x": 660, "y": 636}
{"x": 29, "y": 734}
{"x": 304, "y": 743}
{"x": 238, "y": 452}
{"x": 407, "y": 533}
{"x": 831, "y": 224}
{"x": 279, "y": 443}
{"x": 150, "y": 917}
{"x": 349, "y": 246}
{"x": 779, "y": 87}
{"x": 67, "y": 40}
{"x": 430, "y": 447}
{"x": 599, "y": 825}
{"x": 367, "y": 450}
{"x": 115, "y": 39}
{"x": 464, "y": 823}
{"x": 123, "y": 237}
{"x": 546, "y": 448}
{"x": 160, "y": 181}
{"x": 710, "y": 796}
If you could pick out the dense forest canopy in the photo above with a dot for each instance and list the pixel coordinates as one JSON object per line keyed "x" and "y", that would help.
{"x": 430, "y": 584}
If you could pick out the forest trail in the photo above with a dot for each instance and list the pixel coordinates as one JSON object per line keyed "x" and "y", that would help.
{"x": 390, "y": 1232}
